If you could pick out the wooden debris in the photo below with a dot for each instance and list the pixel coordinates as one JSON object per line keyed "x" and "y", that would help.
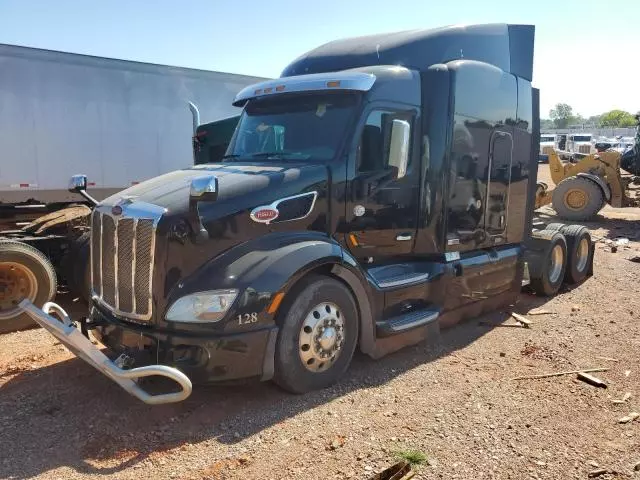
{"x": 597, "y": 472}
{"x": 540, "y": 312}
{"x": 629, "y": 418}
{"x": 558, "y": 374}
{"x": 591, "y": 380}
{"x": 608, "y": 359}
{"x": 526, "y": 323}
{"x": 491, "y": 324}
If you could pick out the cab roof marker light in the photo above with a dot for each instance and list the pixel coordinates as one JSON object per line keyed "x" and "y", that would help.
{"x": 315, "y": 82}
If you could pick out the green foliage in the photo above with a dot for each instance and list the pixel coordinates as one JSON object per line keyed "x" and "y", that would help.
{"x": 562, "y": 115}
{"x": 617, "y": 118}
{"x": 414, "y": 457}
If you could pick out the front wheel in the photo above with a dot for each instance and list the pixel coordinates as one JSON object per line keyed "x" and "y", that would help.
{"x": 318, "y": 335}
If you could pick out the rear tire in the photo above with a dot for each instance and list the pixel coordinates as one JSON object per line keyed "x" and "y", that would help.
{"x": 579, "y": 250}
{"x": 25, "y": 272}
{"x": 577, "y": 198}
{"x": 546, "y": 256}
{"x": 318, "y": 335}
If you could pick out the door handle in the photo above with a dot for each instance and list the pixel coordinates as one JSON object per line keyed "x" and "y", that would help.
{"x": 404, "y": 237}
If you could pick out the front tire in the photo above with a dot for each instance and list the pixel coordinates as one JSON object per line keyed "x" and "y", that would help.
{"x": 318, "y": 335}
{"x": 577, "y": 199}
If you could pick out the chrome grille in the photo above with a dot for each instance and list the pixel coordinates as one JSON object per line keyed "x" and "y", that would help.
{"x": 122, "y": 255}
{"x": 584, "y": 148}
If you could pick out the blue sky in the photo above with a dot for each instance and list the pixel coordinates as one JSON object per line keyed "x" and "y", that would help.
{"x": 586, "y": 51}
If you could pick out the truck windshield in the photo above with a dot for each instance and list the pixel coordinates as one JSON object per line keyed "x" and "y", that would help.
{"x": 582, "y": 138}
{"x": 297, "y": 128}
{"x": 547, "y": 139}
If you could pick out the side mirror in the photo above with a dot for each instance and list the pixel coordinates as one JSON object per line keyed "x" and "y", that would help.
{"x": 204, "y": 188}
{"x": 399, "y": 146}
{"x": 77, "y": 183}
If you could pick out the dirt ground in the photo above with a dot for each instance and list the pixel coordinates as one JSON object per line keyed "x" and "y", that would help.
{"x": 454, "y": 400}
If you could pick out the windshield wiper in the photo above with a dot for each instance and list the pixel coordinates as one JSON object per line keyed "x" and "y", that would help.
{"x": 279, "y": 155}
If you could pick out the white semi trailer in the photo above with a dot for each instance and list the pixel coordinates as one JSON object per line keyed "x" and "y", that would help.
{"x": 119, "y": 122}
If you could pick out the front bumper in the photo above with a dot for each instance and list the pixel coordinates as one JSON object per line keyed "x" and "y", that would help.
{"x": 204, "y": 356}
{"x": 67, "y": 333}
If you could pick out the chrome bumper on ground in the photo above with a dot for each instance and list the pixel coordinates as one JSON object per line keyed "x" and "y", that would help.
{"x": 67, "y": 333}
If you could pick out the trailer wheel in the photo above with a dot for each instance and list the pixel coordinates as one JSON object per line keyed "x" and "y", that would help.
{"x": 25, "y": 272}
{"x": 579, "y": 250}
{"x": 546, "y": 257}
{"x": 577, "y": 199}
{"x": 318, "y": 335}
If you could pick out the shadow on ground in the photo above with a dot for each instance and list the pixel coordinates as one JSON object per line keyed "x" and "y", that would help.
{"x": 89, "y": 424}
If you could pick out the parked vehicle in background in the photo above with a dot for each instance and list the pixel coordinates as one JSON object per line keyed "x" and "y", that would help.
{"x": 547, "y": 145}
{"x": 119, "y": 122}
{"x": 360, "y": 204}
{"x": 580, "y": 143}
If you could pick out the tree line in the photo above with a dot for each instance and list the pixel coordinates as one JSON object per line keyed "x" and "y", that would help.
{"x": 562, "y": 115}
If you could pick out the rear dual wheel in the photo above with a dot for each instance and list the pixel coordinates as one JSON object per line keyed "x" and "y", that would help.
{"x": 546, "y": 257}
{"x": 318, "y": 335}
{"x": 579, "y": 250}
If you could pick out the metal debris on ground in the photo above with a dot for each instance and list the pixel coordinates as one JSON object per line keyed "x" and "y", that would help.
{"x": 558, "y": 374}
{"x": 399, "y": 471}
{"x": 591, "y": 380}
{"x": 525, "y": 322}
{"x": 629, "y": 418}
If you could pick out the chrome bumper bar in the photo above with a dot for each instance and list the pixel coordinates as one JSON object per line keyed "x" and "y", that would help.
{"x": 67, "y": 333}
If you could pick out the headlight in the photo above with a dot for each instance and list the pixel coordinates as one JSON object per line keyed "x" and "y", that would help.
{"x": 202, "y": 306}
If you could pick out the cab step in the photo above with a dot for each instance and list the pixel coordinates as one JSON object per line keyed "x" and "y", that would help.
{"x": 407, "y": 321}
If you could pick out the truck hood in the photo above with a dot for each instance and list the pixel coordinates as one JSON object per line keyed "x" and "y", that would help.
{"x": 242, "y": 184}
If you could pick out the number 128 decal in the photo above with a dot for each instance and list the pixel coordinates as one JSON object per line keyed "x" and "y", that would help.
{"x": 247, "y": 318}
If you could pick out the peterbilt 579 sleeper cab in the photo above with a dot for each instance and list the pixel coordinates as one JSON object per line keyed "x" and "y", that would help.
{"x": 381, "y": 189}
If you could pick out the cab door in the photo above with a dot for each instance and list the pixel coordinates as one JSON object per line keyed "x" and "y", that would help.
{"x": 382, "y": 203}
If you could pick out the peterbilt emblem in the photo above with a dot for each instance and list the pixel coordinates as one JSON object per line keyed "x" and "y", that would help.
{"x": 264, "y": 214}
{"x": 359, "y": 210}
{"x": 125, "y": 200}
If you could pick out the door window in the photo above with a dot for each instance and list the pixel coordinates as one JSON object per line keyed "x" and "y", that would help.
{"x": 373, "y": 151}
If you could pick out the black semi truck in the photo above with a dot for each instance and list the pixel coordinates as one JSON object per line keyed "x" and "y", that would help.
{"x": 381, "y": 189}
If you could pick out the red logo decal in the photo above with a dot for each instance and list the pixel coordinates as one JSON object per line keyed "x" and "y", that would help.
{"x": 264, "y": 214}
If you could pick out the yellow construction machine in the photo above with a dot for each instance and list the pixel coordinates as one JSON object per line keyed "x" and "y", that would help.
{"x": 584, "y": 188}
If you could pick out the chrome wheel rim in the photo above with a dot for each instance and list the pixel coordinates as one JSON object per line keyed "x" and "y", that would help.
{"x": 17, "y": 282}
{"x": 321, "y": 337}
{"x": 582, "y": 254}
{"x": 556, "y": 262}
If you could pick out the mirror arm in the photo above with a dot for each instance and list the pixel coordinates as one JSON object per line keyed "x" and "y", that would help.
{"x": 91, "y": 200}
